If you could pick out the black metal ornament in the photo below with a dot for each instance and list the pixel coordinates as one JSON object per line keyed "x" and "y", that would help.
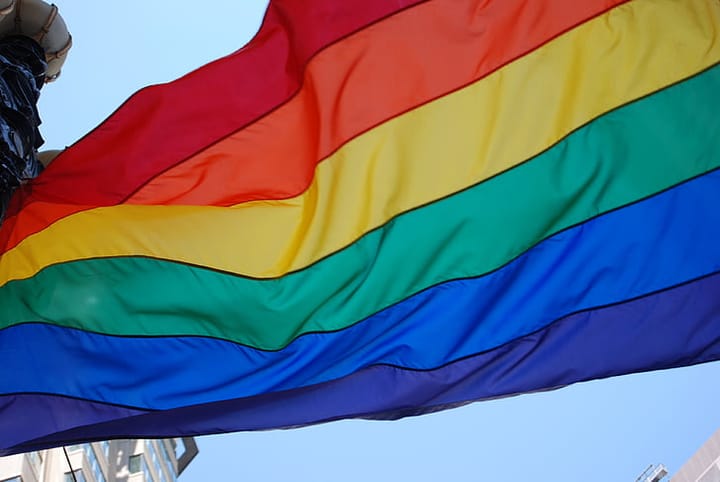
{"x": 22, "y": 75}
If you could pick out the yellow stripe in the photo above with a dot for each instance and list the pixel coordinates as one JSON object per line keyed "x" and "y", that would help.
{"x": 426, "y": 154}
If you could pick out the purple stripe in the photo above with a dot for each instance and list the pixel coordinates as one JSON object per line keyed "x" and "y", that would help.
{"x": 29, "y": 416}
{"x": 673, "y": 328}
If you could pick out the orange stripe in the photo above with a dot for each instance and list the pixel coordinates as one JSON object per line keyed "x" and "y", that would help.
{"x": 372, "y": 76}
{"x": 406, "y": 60}
{"x": 180, "y": 118}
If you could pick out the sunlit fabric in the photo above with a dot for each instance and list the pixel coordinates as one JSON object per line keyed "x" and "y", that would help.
{"x": 374, "y": 210}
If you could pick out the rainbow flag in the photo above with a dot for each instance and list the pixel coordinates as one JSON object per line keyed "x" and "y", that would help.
{"x": 375, "y": 209}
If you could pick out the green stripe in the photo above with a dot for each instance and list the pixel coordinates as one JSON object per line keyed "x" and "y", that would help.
{"x": 631, "y": 153}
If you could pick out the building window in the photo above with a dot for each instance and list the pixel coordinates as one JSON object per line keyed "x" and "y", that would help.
{"x": 94, "y": 464}
{"x": 105, "y": 448}
{"x": 168, "y": 460}
{"x": 35, "y": 461}
{"x": 135, "y": 463}
{"x": 78, "y": 476}
{"x": 146, "y": 472}
{"x": 14, "y": 479}
{"x": 150, "y": 448}
{"x": 35, "y": 458}
{"x": 179, "y": 447}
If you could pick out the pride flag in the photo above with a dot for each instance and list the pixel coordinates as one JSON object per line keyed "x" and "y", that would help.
{"x": 375, "y": 209}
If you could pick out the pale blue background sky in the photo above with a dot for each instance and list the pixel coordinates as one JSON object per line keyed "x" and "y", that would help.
{"x": 599, "y": 431}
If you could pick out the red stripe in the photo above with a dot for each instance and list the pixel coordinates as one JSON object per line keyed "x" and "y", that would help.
{"x": 92, "y": 174}
{"x": 436, "y": 48}
{"x": 163, "y": 124}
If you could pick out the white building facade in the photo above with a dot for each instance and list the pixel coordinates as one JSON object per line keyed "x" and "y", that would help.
{"x": 704, "y": 466}
{"x": 113, "y": 461}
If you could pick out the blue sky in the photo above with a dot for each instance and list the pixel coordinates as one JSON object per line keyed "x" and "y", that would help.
{"x": 607, "y": 430}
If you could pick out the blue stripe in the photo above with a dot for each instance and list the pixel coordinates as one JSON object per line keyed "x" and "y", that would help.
{"x": 660, "y": 242}
{"x": 675, "y": 327}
